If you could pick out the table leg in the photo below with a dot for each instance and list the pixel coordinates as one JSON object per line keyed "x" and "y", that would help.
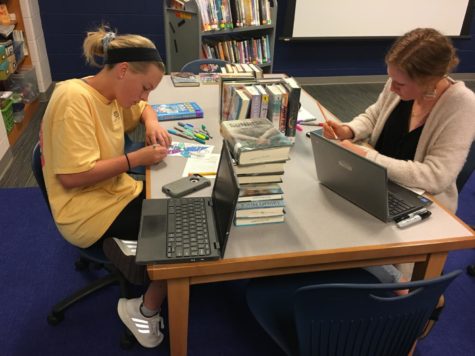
{"x": 178, "y": 305}
{"x": 430, "y": 268}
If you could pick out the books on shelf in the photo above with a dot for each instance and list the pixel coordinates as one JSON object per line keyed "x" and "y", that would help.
{"x": 253, "y": 141}
{"x": 252, "y": 51}
{"x": 177, "y": 111}
{"x": 261, "y": 208}
{"x": 184, "y": 79}
{"x": 259, "y": 220}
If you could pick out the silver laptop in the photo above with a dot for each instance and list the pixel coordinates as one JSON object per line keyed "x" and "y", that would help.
{"x": 361, "y": 181}
{"x": 190, "y": 229}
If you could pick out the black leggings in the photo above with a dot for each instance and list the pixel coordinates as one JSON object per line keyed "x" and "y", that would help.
{"x": 126, "y": 225}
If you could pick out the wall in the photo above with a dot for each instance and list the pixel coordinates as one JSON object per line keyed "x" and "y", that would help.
{"x": 36, "y": 42}
{"x": 65, "y": 24}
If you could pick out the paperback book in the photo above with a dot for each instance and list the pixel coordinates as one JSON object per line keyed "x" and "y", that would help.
{"x": 259, "y": 178}
{"x": 253, "y": 141}
{"x": 184, "y": 79}
{"x": 262, "y": 168}
{"x": 178, "y": 111}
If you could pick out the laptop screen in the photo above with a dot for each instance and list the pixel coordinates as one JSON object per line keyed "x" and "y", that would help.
{"x": 225, "y": 195}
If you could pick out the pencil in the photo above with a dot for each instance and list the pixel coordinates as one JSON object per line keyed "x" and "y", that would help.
{"x": 326, "y": 120}
{"x": 203, "y": 173}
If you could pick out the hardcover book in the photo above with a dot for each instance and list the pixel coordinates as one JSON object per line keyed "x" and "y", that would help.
{"x": 253, "y": 141}
{"x": 272, "y": 167}
{"x": 260, "y": 208}
{"x": 184, "y": 79}
{"x": 259, "y": 178}
{"x": 255, "y": 192}
{"x": 178, "y": 111}
{"x": 258, "y": 220}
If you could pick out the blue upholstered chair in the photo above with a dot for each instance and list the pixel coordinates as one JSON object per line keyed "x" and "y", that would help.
{"x": 344, "y": 319}
{"x": 92, "y": 255}
{"x": 210, "y": 65}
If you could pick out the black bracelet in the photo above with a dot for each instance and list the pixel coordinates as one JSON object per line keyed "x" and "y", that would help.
{"x": 128, "y": 162}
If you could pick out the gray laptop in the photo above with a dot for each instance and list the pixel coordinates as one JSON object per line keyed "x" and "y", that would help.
{"x": 190, "y": 229}
{"x": 362, "y": 181}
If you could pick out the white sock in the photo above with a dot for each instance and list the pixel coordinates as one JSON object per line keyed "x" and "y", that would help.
{"x": 146, "y": 312}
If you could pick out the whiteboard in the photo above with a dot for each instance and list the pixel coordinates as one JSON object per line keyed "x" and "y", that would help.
{"x": 376, "y": 18}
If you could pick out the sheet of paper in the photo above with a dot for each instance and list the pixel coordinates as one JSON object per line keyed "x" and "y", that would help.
{"x": 305, "y": 115}
{"x": 206, "y": 166}
{"x": 187, "y": 150}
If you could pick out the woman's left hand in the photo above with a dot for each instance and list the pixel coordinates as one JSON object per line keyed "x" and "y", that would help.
{"x": 155, "y": 133}
{"x": 352, "y": 147}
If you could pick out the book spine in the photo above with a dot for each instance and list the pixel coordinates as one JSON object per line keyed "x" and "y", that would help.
{"x": 292, "y": 111}
{"x": 260, "y": 204}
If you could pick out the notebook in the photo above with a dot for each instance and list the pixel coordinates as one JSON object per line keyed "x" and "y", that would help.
{"x": 361, "y": 181}
{"x": 190, "y": 229}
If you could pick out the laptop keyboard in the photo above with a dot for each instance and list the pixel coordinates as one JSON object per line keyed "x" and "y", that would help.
{"x": 396, "y": 205}
{"x": 187, "y": 231}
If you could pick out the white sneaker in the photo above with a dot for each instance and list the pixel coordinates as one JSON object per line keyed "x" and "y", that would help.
{"x": 146, "y": 330}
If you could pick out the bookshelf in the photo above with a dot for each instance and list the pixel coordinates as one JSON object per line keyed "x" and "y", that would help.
{"x": 30, "y": 108}
{"x": 185, "y": 35}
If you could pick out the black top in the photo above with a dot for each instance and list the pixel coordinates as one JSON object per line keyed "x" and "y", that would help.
{"x": 395, "y": 140}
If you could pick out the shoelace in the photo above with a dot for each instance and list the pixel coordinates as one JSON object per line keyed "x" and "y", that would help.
{"x": 157, "y": 325}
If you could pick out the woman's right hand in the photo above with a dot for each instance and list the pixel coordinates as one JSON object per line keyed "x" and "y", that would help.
{"x": 332, "y": 128}
{"x": 148, "y": 155}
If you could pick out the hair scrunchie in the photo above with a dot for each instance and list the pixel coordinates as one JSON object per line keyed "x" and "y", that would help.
{"x": 106, "y": 40}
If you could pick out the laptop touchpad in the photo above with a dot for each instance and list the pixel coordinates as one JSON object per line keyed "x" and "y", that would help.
{"x": 154, "y": 225}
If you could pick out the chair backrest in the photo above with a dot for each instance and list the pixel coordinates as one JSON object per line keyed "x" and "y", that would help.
{"x": 37, "y": 169}
{"x": 210, "y": 65}
{"x": 94, "y": 252}
{"x": 467, "y": 169}
{"x": 364, "y": 319}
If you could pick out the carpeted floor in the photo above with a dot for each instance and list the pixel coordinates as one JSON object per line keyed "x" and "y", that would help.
{"x": 36, "y": 270}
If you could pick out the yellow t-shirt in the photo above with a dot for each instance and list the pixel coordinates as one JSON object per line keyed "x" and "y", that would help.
{"x": 81, "y": 126}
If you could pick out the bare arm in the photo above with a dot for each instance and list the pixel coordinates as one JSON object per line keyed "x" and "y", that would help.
{"x": 109, "y": 168}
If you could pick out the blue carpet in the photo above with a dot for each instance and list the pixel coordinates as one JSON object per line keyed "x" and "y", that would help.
{"x": 37, "y": 270}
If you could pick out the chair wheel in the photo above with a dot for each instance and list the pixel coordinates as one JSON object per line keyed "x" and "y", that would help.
{"x": 471, "y": 270}
{"x": 127, "y": 341}
{"x": 55, "y": 318}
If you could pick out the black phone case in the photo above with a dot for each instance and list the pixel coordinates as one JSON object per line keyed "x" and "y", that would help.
{"x": 186, "y": 185}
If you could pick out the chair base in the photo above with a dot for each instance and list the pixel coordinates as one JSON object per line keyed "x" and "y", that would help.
{"x": 113, "y": 277}
{"x": 471, "y": 270}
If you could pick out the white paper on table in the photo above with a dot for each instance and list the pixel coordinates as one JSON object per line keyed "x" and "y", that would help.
{"x": 206, "y": 165}
{"x": 305, "y": 115}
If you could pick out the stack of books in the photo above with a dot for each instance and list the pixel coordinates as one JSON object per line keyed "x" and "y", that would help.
{"x": 259, "y": 151}
{"x": 279, "y": 101}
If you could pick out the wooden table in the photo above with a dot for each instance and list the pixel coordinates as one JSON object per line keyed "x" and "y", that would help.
{"x": 322, "y": 231}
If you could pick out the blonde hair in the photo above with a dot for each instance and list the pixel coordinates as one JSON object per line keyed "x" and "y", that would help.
{"x": 99, "y": 41}
{"x": 423, "y": 54}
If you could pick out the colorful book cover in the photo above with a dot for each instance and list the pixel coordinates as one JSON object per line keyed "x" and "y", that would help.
{"x": 177, "y": 111}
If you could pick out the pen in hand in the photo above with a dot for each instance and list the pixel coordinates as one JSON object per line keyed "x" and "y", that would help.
{"x": 326, "y": 120}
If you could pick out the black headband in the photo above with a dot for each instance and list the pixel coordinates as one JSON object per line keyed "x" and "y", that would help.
{"x": 132, "y": 54}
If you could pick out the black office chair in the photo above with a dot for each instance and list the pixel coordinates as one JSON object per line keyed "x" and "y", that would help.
{"x": 87, "y": 256}
{"x": 345, "y": 319}
{"x": 209, "y": 65}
